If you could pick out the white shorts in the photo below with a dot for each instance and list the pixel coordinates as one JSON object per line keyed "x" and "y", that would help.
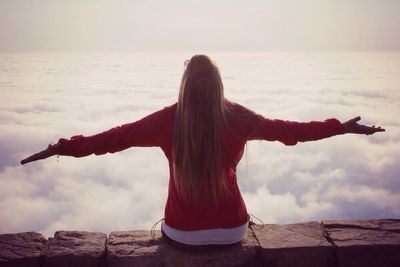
{"x": 218, "y": 236}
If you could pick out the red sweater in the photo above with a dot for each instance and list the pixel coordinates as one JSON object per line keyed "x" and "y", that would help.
{"x": 156, "y": 129}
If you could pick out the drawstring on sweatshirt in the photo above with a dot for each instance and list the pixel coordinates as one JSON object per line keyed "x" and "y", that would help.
{"x": 256, "y": 226}
{"x": 153, "y": 229}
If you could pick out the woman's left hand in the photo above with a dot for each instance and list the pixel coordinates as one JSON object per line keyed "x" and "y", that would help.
{"x": 351, "y": 126}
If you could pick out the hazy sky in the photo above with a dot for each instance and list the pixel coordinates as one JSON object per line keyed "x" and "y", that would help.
{"x": 121, "y": 25}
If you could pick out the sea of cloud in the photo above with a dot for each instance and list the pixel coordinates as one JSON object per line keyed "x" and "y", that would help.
{"x": 48, "y": 96}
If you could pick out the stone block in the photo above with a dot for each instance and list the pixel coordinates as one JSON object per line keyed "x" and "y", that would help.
{"x": 365, "y": 242}
{"x": 76, "y": 248}
{"x": 137, "y": 248}
{"x": 22, "y": 249}
{"x": 294, "y": 245}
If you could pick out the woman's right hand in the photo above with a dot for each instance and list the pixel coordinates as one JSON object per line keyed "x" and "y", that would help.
{"x": 51, "y": 150}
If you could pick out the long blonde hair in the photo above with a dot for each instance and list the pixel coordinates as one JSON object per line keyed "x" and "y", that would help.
{"x": 198, "y": 133}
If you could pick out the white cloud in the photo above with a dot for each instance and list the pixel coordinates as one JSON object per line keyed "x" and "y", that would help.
{"x": 342, "y": 177}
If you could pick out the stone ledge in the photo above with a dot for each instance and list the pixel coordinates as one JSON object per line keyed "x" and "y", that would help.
{"x": 76, "y": 248}
{"x": 365, "y": 242}
{"x": 297, "y": 245}
{"x": 327, "y": 243}
{"x": 22, "y": 249}
{"x": 137, "y": 248}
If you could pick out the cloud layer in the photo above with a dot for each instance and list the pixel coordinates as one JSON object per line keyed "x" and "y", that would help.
{"x": 48, "y": 96}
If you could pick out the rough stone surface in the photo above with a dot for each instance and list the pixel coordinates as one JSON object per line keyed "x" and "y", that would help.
{"x": 365, "y": 242}
{"x": 22, "y": 249}
{"x": 300, "y": 244}
{"x": 76, "y": 248}
{"x": 335, "y": 243}
{"x": 137, "y": 248}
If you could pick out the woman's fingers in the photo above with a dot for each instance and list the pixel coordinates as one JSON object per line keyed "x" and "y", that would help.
{"x": 354, "y": 120}
{"x": 371, "y": 130}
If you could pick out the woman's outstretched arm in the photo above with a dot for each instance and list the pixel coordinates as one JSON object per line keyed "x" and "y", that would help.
{"x": 148, "y": 131}
{"x": 290, "y": 132}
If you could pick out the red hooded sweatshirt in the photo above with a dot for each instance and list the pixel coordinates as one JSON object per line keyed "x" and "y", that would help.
{"x": 156, "y": 129}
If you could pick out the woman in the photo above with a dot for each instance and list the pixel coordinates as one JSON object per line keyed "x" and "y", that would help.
{"x": 203, "y": 136}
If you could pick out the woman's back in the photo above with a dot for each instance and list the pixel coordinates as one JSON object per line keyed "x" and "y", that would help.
{"x": 230, "y": 210}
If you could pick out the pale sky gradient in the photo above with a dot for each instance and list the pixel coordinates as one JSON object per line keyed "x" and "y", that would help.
{"x": 191, "y": 25}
